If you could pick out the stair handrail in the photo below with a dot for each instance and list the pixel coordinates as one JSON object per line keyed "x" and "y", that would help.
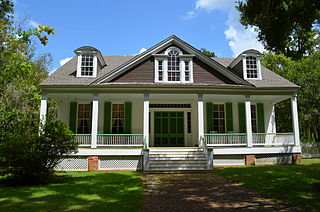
{"x": 203, "y": 146}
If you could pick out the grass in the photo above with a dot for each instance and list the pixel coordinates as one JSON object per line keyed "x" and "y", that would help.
{"x": 291, "y": 184}
{"x": 78, "y": 191}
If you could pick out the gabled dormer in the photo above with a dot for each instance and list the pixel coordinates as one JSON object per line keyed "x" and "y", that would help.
{"x": 89, "y": 62}
{"x": 173, "y": 66}
{"x": 248, "y": 62}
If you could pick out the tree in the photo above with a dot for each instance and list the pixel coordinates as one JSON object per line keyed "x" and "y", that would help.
{"x": 208, "y": 53}
{"x": 305, "y": 73}
{"x": 25, "y": 155}
{"x": 284, "y": 26}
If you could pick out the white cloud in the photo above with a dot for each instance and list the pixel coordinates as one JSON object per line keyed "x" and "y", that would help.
{"x": 239, "y": 37}
{"x": 142, "y": 50}
{"x": 190, "y": 14}
{"x": 214, "y": 4}
{"x": 33, "y": 24}
{"x": 65, "y": 60}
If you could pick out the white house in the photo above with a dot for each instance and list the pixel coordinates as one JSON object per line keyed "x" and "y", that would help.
{"x": 171, "y": 107}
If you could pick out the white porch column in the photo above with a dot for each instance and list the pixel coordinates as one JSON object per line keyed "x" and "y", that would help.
{"x": 43, "y": 110}
{"x": 146, "y": 119}
{"x": 295, "y": 121}
{"x": 248, "y": 121}
{"x": 94, "y": 127}
{"x": 200, "y": 117}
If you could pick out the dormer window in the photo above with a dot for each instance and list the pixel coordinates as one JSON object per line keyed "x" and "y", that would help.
{"x": 252, "y": 68}
{"x": 90, "y": 61}
{"x": 173, "y": 66}
{"x": 87, "y": 64}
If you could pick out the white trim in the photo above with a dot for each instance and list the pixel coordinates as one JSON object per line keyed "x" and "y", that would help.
{"x": 255, "y": 150}
{"x": 183, "y": 59}
{"x": 109, "y": 151}
{"x": 244, "y": 63}
{"x": 295, "y": 120}
{"x": 43, "y": 110}
{"x": 200, "y": 117}
{"x": 95, "y": 63}
{"x": 94, "y": 115}
{"x": 146, "y": 119}
{"x": 173, "y": 48}
{"x": 248, "y": 121}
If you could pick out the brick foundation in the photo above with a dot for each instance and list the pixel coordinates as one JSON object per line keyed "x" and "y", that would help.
{"x": 296, "y": 159}
{"x": 250, "y": 159}
{"x": 93, "y": 163}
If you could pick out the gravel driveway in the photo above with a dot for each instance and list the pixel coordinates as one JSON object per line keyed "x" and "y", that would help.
{"x": 202, "y": 192}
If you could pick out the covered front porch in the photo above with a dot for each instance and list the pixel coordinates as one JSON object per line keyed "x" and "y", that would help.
{"x": 143, "y": 120}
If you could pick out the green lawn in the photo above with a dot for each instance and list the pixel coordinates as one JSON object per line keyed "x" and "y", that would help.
{"x": 292, "y": 184}
{"x": 78, "y": 191}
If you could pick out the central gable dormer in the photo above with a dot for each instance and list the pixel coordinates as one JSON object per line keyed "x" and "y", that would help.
{"x": 89, "y": 61}
{"x": 173, "y": 62}
{"x": 173, "y": 66}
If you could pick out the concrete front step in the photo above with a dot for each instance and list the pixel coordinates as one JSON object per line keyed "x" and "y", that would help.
{"x": 178, "y": 169}
{"x": 176, "y": 159}
{"x": 177, "y": 162}
{"x": 186, "y": 159}
{"x": 184, "y": 171}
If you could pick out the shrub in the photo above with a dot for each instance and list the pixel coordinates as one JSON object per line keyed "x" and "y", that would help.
{"x": 27, "y": 157}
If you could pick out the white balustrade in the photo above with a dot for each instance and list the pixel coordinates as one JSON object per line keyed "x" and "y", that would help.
{"x": 120, "y": 140}
{"x": 83, "y": 139}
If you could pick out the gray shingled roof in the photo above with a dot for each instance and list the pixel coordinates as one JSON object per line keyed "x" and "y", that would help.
{"x": 66, "y": 74}
{"x": 269, "y": 78}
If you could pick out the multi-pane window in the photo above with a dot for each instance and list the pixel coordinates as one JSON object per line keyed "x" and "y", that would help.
{"x": 218, "y": 118}
{"x": 189, "y": 121}
{"x": 251, "y": 67}
{"x": 117, "y": 118}
{"x": 254, "y": 118}
{"x": 187, "y": 71}
{"x": 87, "y": 64}
{"x": 160, "y": 70}
{"x": 84, "y": 119}
{"x": 173, "y": 66}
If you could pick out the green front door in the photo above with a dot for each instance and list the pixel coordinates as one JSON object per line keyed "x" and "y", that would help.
{"x": 168, "y": 129}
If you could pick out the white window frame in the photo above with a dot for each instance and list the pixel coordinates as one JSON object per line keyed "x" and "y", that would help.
{"x": 95, "y": 63}
{"x": 124, "y": 115}
{"x": 244, "y": 63}
{"x": 256, "y": 115}
{"x": 77, "y": 119}
{"x": 164, "y": 58}
{"x": 225, "y": 115}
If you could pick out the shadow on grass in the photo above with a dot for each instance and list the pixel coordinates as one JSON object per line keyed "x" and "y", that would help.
{"x": 292, "y": 184}
{"x": 76, "y": 191}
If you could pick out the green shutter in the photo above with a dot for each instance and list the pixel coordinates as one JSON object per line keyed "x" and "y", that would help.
{"x": 107, "y": 118}
{"x": 229, "y": 116}
{"x": 209, "y": 117}
{"x": 260, "y": 113}
{"x": 242, "y": 118}
{"x": 127, "y": 117}
{"x": 73, "y": 117}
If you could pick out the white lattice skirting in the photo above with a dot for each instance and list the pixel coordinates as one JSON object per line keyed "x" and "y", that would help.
{"x": 120, "y": 163}
{"x": 73, "y": 164}
{"x": 228, "y": 160}
{"x": 273, "y": 159}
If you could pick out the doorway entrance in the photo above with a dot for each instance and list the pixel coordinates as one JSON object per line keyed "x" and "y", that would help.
{"x": 168, "y": 129}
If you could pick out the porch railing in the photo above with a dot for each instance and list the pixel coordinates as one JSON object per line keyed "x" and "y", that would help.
{"x": 228, "y": 139}
{"x": 120, "y": 140}
{"x": 273, "y": 139}
{"x": 83, "y": 139}
{"x": 258, "y": 139}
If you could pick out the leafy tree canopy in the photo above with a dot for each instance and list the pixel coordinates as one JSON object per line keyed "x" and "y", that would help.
{"x": 305, "y": 73}
{"x": 284, "y": 26}
{"x": 207, "y": 52}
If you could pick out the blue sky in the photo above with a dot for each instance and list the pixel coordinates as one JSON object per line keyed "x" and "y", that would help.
{"x": 128, "y": 27}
